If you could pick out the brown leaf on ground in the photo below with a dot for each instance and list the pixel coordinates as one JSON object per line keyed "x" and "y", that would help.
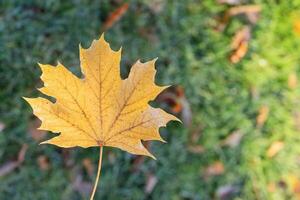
{"x": 293, "y": 183}
{"x": 229, "y": 2}
{"x": 43, "y": 162}
{"x": 194, "y": 137}
{"x": 186, "y": 113}
{"x": 297, "y": 26}
{"x": 139, "y": 160}
{"x": 226, "y": 192}
{"x": 262, "y": 116}
{"x": 239, "y": 44}
{"x": 156, "y": 6}
{"x": 88, "y": 166}
{"x": 215, "y": 169}
{"x": 241, "y": 35}
{"x": 272, "y": 187}
{"x": 275, "y": 148}
{"x": 297, "y": 120}
{"x": 111, "y": 157}
{"x": 2, "y": 126}
{"x": 67, "y": 158}
{"x": 10, "y": 166}
{"x": 149, "y": 33}
{"x": 296, "y": 188}
{"x": 151, "y": 182}
{"x": 37, "y": 135}
{"x": 232, "y": 140}
{"x": 197, "y": 149}
{"x": 251, "y": 11}
{"x": 115, "y": 16}
{"x": 292, "y": 80}
{"x": 174, "y": 97}
{"x": 83, "y": 187}
{"x": 171, "y": 96}
{"x": 195, "y": 134}
{"x": 22, "y": 153}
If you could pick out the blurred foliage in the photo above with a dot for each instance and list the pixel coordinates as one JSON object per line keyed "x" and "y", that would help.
{"x": 224, "y": 97}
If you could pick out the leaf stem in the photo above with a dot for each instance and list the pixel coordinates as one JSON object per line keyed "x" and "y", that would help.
{"x": 98, "y": 173}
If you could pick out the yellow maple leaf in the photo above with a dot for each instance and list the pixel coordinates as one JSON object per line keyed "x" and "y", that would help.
{"x": 101, "y": 109}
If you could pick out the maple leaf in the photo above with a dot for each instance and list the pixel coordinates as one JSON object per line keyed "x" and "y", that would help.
{"x": 101, "y": 109}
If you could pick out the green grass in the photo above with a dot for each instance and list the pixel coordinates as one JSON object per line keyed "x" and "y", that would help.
{"x": 191, "y": 54}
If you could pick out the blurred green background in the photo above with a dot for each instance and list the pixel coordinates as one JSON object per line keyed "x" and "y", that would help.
{"x": 235, "y": 66}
